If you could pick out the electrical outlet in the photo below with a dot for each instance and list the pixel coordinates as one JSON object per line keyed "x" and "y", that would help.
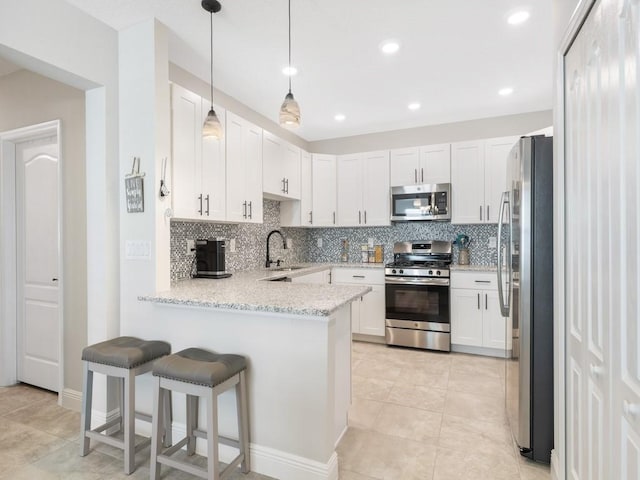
{"x": 232, "y": 245}
{"x": 320, "y": 243}
{"x": 191, "y": 247}
{"x": 492, "y": 242}
{"x": 289, "y": 243}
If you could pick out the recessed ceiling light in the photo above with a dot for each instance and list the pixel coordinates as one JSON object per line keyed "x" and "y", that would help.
{"x": 290, "y": 71}
{"x": 340, "y": 117}
{"x": 516, "y": 18}
{"x": 389, "y": 47}
{"x": 414, "y": 106}
{"x": 505, "y": 91}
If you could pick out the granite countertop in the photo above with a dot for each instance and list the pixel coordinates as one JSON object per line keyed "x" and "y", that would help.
{"x": 454, "y": 267}
{"x": 252, "y": 291}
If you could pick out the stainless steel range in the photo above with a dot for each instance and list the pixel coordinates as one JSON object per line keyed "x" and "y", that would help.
{"x": 417, "y": 295}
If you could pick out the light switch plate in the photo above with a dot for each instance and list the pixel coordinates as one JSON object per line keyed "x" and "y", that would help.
{"x": 289, "y": 243}
{"x": 320, "y": 243}
{"x": 137, "y": 249}
{"x": 191, "y": 247}
{"x": 492, "y": 242}
{"x": 232, "y": 245}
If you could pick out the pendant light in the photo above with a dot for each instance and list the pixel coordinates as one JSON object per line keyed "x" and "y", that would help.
{"x": 212, "y": 128}
{"x": 290, "y": 110}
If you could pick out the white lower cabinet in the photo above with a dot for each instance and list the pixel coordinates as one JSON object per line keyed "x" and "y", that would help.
{"x": 475, "y": 314}
{"x": 368, "y": 312}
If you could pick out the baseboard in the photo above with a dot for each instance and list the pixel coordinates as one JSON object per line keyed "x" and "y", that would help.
{"x": 489, "y": 352}
{"x": 363, "y": 337}
{"x": 555, "y": 466}
{"x": 264, "y": 460}
{"x": 70, "y": 399}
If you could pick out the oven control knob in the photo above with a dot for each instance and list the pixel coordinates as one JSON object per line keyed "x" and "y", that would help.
{"x": 401, "y": 271}
{"x": 438, "y": 272}
{"x": 393, "y": 271}
{"x": 430, "y": 272}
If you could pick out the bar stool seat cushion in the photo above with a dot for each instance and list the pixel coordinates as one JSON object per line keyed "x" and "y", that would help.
{"x": 125, "y": 352}
{"x": 199, "y": 367}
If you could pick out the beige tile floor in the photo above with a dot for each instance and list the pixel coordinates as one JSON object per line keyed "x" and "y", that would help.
{"x": 416, "y": 415}
{"x": 420, "y": 415}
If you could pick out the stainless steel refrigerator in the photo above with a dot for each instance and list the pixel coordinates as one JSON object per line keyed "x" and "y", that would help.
{"x": 525, "y": 281}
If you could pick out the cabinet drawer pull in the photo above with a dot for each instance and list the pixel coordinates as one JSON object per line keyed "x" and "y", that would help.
{"x": 357, "y": 276}
{"x": 482, "y": 281}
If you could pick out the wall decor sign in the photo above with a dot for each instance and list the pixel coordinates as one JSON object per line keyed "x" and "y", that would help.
{"x": 134, "y": 188}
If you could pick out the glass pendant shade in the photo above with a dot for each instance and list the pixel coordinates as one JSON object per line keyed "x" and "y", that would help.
{"x": 290, "y": 112}
{"x": 212, "y": 128}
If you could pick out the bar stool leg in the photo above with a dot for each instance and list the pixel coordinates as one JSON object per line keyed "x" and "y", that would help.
{"x": 129, "y": 422}
{"x": 192, "y": 423}
{"x": 157, "y": 427}
{"x": 243, "y": 421}
{"x": 168, "y": 419}
{"x": 213, "y": 465}
{"x": 85, "y": 418}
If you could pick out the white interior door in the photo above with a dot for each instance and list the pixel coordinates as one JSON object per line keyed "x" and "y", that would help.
{"x": 37, "y": 239}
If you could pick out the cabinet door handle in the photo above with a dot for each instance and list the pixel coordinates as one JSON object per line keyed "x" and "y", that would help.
{"x": 357, "y": 276}
{"x": 422, "y": 175}
{"x": 287, "y": 186}
{"x": 244, "y": 210}
{"x": 482, "y": 281}
{"x": 207, "y": 199}
{"x": 250, "y": 210}
{"x": 486, "y": 301}
{"x": 359, "y": 217}
{"x": 334, "y": 218}
{"x": 365, "y": 217}
{"x": 311, "y": 217}
{"x": 283, "y": 187}
{"x": 200, "y": 198}
{"x": 480, "y": 212}
{"x": 415, "y": 175}
{"x": 488, "y": 217}
{"x": 478, "y": 301}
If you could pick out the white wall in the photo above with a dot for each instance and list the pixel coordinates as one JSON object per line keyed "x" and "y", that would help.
{"x": 55, "y": 39}
{"x": 26, "y": 99}
{"x": 434, "y": 134}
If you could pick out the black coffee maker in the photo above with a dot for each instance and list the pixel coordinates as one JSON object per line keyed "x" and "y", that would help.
{"x": 210, "y": 259}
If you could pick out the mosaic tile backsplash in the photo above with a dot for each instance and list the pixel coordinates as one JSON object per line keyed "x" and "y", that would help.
{"x": 251, "y": 241}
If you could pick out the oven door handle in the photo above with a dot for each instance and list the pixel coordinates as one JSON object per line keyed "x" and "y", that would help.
{"x": 417, "y": 281}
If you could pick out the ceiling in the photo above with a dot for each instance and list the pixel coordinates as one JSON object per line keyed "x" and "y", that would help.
{"x": 454, "y": 57}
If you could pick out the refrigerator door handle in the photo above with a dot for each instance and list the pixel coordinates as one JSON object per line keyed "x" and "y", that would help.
{"x": 504, "y": 306}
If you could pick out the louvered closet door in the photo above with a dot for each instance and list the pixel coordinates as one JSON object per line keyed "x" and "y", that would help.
{"x": 601, "y": 233}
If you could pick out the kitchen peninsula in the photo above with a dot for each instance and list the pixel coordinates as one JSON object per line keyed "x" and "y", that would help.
{"x": 297, "y": 340}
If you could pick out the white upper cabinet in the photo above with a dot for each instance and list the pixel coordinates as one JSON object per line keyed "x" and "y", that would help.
{"x": 298, "y": 213}
{"x": 495, "y": 174}
{"x": 198, "y": 189}
{"x": 467, "y": 182}
{"x": 244, "y": 170}
{"x": 323, "y": 190}
{"x": 281, "y": 160}
{"x": 478, "y": 178}
{"x": 363, "y": 189}
{"x": 418, "y": 165}
{"x": 435, "y": 163}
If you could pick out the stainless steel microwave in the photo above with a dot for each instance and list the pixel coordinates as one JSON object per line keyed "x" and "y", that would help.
{"x": 421, "y": 202}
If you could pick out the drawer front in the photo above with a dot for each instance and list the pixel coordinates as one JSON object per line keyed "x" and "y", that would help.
{"x": 475, "y": 280}
{"x": 365, "y": 276}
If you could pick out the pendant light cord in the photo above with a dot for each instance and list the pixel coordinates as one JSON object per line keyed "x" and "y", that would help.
{"x": 290, "y": 46}
{"x": 211, "y": 59}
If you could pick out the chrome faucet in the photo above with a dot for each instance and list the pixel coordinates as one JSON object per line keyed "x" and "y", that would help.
{"x": 269, "y": 262}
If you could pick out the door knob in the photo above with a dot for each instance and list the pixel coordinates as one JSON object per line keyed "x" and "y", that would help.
{"x": 632, "y": 409}
{"x": 596, "y": 370}
{"x": 54, "y": 279}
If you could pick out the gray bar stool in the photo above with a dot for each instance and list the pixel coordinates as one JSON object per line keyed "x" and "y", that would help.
{"x": 123, "y": 358}
{"x": 200, "y": 373}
